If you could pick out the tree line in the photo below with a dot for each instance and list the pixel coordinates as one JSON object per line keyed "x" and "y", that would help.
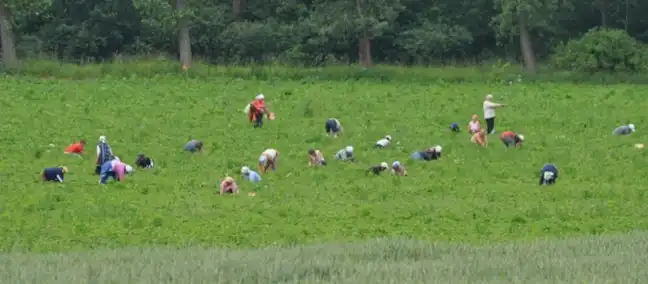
{"x": 574, "y": 34}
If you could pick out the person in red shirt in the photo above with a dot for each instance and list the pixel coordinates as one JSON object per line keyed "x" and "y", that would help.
{"x": 76, "y": 148}
{"x": 510, "y": 138}
{"x": 257, "y": 110}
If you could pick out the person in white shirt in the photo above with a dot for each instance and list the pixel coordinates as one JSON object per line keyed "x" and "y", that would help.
{"x": 382, "y": 143}
{"x": 489, "y": 113}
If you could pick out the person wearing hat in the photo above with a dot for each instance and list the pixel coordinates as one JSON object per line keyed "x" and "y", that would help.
{"x": 333, "y": 126}
{"x": 398, "y": 169}
{"x": 194, "y": 146}
{"x": 268, "y": 160}
{"x": 228, "y": 185}
{"x": 382, "y": 143}
{"x": 257, "y": 109}
{"x": 104, "y": 153}
{"x": 510, "y": 138}
{"x": 429, "y": 154}
{"x": 315, "y": 157}
{"x": 345, "y": 154}
{"x": 143, "y": 161}
{"x": 376, "y": 170}
{"x": 624, "y": 130}
{"x": 250, "y": 175}
{"x": 115, "y": 169}
{"x": 548, "y": 174}
{"x": 474, "y": 126}
{"x": 489, "y": 113}
{"x": 55, "y": 174}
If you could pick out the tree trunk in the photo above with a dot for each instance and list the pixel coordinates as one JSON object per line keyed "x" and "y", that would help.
{"x": 184, "y": 39}
{"x": 364, "y": 41}
{"x": 526, "y": 46}
{"x": 9, "y": 57}
{"x": 600, "y": 5}
{"x": 627, "y": 17}
{"x": 237, "y": 7}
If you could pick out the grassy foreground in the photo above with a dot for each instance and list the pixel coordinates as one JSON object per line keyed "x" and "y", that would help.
{"x": 600, "y": 259}
{"x": 472, "y": 195}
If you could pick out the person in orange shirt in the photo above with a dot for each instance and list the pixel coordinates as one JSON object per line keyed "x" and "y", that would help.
{"x": 257, "y": 110}
{"x": 76, "y": 148}
{"x": 510, "y": 138}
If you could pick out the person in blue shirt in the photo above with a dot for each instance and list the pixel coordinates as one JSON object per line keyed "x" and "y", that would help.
{"x": 56, "y": 174}
{"x": 250, "y": 175}
{"x": 548, "y": 174}
{"x": 455, "y": 128}
{"x": 194, "y": 146}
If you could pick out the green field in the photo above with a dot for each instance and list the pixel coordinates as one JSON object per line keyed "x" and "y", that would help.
{"x": 473, "y": 196}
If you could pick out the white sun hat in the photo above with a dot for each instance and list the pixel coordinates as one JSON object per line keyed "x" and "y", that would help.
{"x": 384, "y": 165}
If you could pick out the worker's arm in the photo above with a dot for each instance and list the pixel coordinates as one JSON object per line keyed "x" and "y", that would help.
{"x": 60, "y": 178}
{"x": 98, "y": 151}
{"x": 541, "y": 178}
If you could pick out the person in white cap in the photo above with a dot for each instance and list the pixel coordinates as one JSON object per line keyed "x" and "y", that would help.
{"x": 398, "y": 169}
{"x": 250, "y": 175}
{"x": 489, "y": 113}
{"x": 257, "y": 109}
{"x": 624, "y": 130}
{"x": 345, "y": 154}
{"x": 376, "y": 170}
{"x": 268, "y": 160}
{"x": 429, "y": 154}
{"x": 104, "y": 153}
{"x": 510, "y": 138}
{"x": 382, "y": 143}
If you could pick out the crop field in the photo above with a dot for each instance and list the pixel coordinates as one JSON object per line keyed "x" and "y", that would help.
{"x": 483, "y": 202}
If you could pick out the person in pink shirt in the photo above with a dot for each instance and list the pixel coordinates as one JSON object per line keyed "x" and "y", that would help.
{"x": 228, "y": 185}
{"x": 115, "y": 169}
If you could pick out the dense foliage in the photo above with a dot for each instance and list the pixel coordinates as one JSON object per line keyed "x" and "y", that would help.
{"x": 316, "y": 32}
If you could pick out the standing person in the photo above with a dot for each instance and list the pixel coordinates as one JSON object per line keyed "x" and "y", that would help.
{"x": 382, "y": 143}
{"x": 624, "y": 130}
{"x": 56, "y": 174}
{"x": 315, "y": 157}
{"x": 489, "y": 113}
{"x": 548, "y": 174}
{"x": 345, "y": 154}
{"x": 333, "y": 126}
{"x": 228, "y": 185}
{"x": 268, "y": 160}
{"x": 112, "y": 169}
{"x": 104, "y": 153}
{"x": 257, "y": 109}
{"x": 194, "y": 146}
{"x": 474, "y": 126}
{"x": 250, "y": 175}
{"x": 76, "y": 148}
{"x": 510, "y": 138}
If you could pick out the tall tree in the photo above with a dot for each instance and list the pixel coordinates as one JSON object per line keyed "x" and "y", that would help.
{"x": 184, "y": 38}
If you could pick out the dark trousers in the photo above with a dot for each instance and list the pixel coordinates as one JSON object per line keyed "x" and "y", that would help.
{"x": 490, "y": 125}
{"x": 98, "y": 169}
{"x": 259, "y": 120}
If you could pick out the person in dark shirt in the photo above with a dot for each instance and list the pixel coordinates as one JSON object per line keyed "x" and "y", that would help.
{"x": 144, "y": 162}
{"x": 429, "y": 154}
{"x": 548, "y": 174}
{"x": 376, "y": 170}
{"x": 56, "y": 174}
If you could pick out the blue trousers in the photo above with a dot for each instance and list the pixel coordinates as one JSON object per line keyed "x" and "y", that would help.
{"x": 105, "y": 176}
